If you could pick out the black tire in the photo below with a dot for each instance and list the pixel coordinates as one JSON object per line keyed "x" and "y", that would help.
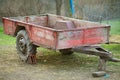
{"x": 24, "y": 46}
{"x": 66, "y": 51}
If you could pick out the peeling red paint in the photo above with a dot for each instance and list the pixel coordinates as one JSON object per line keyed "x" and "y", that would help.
{"x": 58, "y": 32}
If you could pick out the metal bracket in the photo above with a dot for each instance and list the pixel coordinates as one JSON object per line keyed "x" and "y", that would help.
{"x": 31, "y": 59}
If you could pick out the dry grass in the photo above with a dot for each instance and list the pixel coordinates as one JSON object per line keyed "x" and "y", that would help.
{"x": 51, "y": 66}
{"x": 115, "y": 38}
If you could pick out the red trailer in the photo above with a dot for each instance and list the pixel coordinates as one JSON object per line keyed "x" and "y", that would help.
{"x": 53, "y": 32}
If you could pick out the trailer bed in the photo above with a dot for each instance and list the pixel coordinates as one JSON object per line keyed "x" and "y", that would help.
{"x": 58, "y": 32}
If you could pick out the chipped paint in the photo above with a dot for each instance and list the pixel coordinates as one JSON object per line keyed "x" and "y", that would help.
{"x": 58, "y": 32}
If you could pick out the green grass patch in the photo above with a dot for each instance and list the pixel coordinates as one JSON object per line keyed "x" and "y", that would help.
{"x": 115, "y": 26}
{"x": 5, "y": 39}
{"x": 115, "y": 49}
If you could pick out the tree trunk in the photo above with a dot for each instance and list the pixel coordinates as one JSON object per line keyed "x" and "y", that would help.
{"x": 58, "y": 6}
{"x": 67, "y": 8}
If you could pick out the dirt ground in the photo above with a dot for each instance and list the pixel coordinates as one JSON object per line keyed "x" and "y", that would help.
{"x": 50, "y": 67}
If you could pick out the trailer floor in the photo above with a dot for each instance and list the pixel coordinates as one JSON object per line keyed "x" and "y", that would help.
{"x": 51, "y": 66}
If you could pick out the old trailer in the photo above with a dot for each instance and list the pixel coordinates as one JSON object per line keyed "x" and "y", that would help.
{"x": 58, "y": 33}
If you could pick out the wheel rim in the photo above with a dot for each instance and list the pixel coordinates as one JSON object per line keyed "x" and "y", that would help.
{"x": 22, "y": 45}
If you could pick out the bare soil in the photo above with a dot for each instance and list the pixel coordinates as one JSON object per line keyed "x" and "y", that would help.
{"x": 51, "y": 66}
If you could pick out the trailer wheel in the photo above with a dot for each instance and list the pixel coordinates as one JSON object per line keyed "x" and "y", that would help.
{"x": 23, "y": 45}
{"x": 66, "y": 51}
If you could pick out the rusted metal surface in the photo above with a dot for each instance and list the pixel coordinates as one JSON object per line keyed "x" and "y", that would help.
{"x": 94, "y": 50}
{"x": 83, "y": 37}
{"x": 9, "y": 27}
{"x": 32, "y": 59}
{"x": 64, "y": 25}
{"x": 43, "y": 37}
{"x": 58, "y": 32}
{"x": 103, "y": 54}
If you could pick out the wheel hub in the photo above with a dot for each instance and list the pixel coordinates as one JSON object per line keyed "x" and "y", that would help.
{"x": 22, "y": 44}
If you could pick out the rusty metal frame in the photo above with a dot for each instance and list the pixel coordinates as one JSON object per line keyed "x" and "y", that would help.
{"x": 104, "y": 55}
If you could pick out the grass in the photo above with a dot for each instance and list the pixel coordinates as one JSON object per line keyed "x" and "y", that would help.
{"x": 114, "y": 48}
{"x": 5, "y": 39}
{"x": 115, "y": 27}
